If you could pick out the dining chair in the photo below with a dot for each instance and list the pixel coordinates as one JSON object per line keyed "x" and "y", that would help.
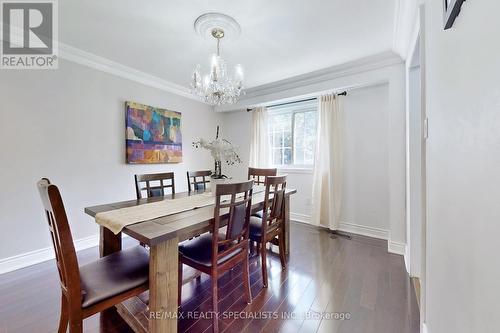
{"x": 259, "y": 175}
{"x": 197, "y": 180}
{"x": 95, "y": 286}
{"x": 218, "y": 252}
{"x": 154, "y": 184}
{"x": 271, "y": 226}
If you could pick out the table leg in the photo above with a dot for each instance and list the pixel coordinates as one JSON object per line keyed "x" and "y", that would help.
{"x": 287, "y": 224}
{"x": 163, "y": 266}
{"x": 109, "y": 242}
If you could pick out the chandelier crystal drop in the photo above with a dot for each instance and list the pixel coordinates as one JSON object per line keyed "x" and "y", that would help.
{"x": 218, "y": 87}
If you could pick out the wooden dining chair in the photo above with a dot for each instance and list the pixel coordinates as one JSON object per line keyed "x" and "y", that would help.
{"x": 271, "y": 226}
{"x": 198, "y": 180}
{"x": 98, "y": 285}
{"x": 154, "y": 184}
{"x": 216, "y": 253}
{"x": 259, "y": 175}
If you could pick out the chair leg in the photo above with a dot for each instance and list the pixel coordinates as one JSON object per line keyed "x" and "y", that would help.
{"x": 179, "y": 283}
{"x": 281, "y": 248}
{"x": 251, "y": 246}
{"x": 263, "y": 253}
{"x": 63, "y": 320}
{"x": 75, "y": 326}
{"x": 215, "y": 304}
{"x": 246, "y": 280}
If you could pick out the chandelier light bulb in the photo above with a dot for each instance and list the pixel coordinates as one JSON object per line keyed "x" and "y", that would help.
{"x": 218, "y": 86}
{"x": 238, "y": 73}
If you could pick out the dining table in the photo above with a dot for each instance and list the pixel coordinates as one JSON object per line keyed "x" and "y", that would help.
{"x": 162, "y": 235}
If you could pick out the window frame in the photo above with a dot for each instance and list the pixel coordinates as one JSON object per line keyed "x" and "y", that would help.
{"x": 293, "y": 108}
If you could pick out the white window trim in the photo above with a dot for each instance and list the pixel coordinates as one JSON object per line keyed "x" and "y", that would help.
{"x": 297, "y": 170}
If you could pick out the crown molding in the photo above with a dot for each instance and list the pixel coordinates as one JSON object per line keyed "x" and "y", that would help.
{"x": 330, "y": 73}
{"x": 102, "y": 64}
{"x": 84, "y": 58}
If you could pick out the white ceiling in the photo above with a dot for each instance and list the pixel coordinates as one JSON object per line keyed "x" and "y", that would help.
{"x": 279, "y": 39}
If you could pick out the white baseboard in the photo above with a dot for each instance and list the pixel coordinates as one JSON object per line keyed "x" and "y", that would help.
{"x": 348, "y": 227}
{"x": 300, "y": 217}
{"x": 396, "y": 247}
{"x": 363, "y": 230}
{"x": 424, "y": 328}
{"x": 34, "y": 257}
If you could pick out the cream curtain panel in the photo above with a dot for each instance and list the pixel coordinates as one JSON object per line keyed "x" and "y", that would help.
{"x": 259, "y": 144}
{"x": 327, "y": 176}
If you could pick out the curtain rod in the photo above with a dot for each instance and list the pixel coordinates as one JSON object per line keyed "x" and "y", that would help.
{"x": 344, "y": 93}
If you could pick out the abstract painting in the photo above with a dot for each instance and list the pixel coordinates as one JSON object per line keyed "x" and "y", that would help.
{"x": 153, "y": 135}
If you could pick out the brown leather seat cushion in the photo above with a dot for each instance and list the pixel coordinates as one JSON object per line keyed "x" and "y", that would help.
{"x": 255, "y": 228}
{"x": 199, "y": 250}
{"x": 113, "y": 275}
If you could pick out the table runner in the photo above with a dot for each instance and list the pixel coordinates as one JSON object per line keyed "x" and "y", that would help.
{"x": 116, "y": 220}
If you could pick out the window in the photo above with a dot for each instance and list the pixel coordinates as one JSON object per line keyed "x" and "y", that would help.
{"x": 292, "y": 133}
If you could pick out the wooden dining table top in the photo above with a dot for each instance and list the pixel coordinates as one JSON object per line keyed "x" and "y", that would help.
{"x": 183, "y": 225}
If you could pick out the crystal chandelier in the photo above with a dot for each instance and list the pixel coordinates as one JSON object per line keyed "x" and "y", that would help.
{"x": 218, "y": 87}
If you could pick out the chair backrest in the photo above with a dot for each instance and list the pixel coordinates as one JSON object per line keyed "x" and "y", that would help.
{"x": 273, "y": 213}
{"x": 60, "y": 233}
{"x": 198, "y": 180}
{"x": 154, "y": 184}
{"x": 259, "y": 175}
{"x": 236, "y": 197}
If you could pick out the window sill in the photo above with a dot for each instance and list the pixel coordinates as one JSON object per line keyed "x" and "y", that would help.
{"x": 295, "y": 170}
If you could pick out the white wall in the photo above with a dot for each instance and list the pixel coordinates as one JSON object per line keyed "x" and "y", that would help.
{"x": 463, "y": 169}
{"x": 366, "y": 157}
{"x": 236, "y": 127}
{"x": 69, "y": 125}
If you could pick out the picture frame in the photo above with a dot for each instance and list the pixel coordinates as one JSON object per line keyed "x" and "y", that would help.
{"x": 451, "y": 11}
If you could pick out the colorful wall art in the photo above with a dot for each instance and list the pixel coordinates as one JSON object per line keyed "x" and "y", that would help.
{"x": 153, "y": 135}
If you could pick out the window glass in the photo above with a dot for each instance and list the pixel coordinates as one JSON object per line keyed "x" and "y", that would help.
{"x": 292, "y": 133}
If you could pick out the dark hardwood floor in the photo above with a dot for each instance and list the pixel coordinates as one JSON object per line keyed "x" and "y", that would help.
{"x": 327, "y": 280}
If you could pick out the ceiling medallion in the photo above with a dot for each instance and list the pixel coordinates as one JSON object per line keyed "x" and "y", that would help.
{"x": 217, "y": 87}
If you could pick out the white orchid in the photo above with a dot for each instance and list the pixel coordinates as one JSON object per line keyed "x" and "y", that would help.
{"x": 221, "y": 151}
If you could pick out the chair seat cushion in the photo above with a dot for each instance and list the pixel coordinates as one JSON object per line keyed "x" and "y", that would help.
{"x": 255, "y": 228}
{"x": 199, "y": 250}
{"x": 258, "y": 214}
{"x": 113, "y": 275}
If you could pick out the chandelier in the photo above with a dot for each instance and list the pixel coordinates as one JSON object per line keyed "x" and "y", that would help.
{"x": 218, "y": 86}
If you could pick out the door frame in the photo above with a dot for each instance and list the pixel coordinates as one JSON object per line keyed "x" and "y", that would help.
{"x": 418, "y": 41}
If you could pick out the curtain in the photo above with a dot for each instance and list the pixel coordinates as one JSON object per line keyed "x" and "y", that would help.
{"x": 259, "y": 144}
{"x": 327, "y": 175}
